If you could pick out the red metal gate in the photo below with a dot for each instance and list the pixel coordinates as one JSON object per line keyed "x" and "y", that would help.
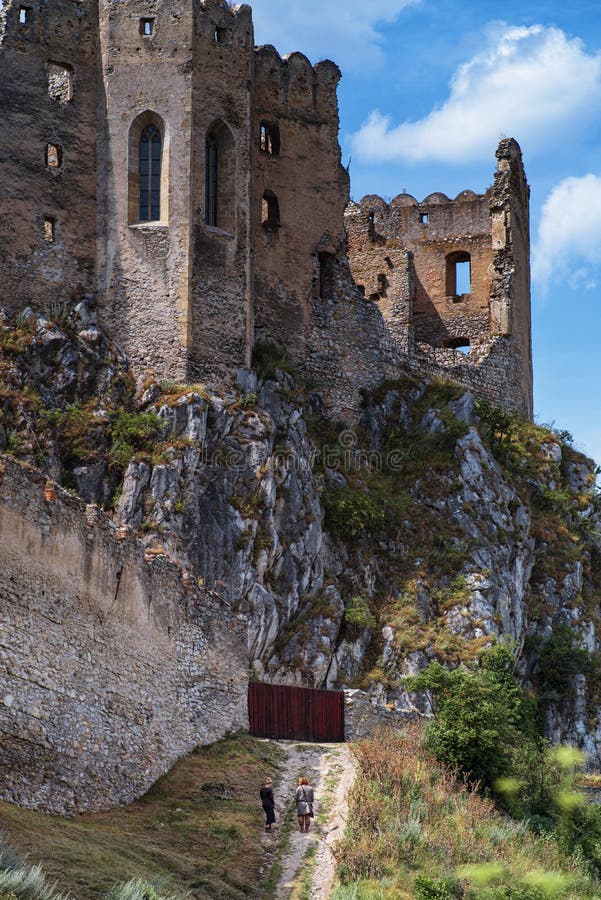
{"x": 298, "y": 714}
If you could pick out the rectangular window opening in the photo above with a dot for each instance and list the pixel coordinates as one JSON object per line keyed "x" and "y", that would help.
{"x": 49, "y": 230}
{"x": 147, "y": 27}
{"x": 423, "y": 217}
{"x": 54, "y": 156}
{"x": 25, "y": 14}
{"x": 463, "y": 277}
{"x": 221, "y": 35}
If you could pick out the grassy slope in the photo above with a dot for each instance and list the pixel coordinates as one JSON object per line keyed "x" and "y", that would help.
{"x": 415, "y": 832}
{"x": 198, "y": 827}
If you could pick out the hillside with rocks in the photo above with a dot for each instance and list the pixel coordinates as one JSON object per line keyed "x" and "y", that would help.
{"x": 358, "y": 553}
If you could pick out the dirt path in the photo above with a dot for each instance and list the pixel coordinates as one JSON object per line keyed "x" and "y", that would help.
{"x": 307, "y": 865}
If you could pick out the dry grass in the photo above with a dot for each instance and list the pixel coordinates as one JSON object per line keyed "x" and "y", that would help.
{"x": 197, "y": 830}
{"x": 410, "y": 816}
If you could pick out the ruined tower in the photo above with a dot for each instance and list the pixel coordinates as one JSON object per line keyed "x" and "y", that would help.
{"x": 190, "y": 186}
{"x": 468, "y": 315}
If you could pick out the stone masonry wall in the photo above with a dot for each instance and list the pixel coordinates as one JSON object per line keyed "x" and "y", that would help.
{"x": 222, "y": 286}
{"x": 111, "y": 665}
{"x": 492, "y": 321}
{"x": 311, "y": 187}
{"x": 48, "y": 199}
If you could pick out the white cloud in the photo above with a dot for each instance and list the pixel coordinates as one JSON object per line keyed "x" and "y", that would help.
{"x": 568, "y": 243}
{"x": 327, "y": 29}
{"x": 528, "y": 83}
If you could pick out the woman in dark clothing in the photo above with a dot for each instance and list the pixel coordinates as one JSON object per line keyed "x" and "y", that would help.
{"x": 268, "y": 804}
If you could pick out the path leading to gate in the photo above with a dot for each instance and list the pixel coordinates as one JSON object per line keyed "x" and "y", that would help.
{"x": 307, "y": 864}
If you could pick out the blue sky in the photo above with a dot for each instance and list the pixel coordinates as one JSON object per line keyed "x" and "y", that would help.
{"x": 428, "y": 88}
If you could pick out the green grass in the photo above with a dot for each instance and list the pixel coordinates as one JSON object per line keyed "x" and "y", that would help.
{"x": 197, "y": 830}
{"x": 414, "y": 831}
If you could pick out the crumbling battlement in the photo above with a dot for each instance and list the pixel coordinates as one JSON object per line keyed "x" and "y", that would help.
{"x": 471, "y": 290}
{"x": 156, "y": 162}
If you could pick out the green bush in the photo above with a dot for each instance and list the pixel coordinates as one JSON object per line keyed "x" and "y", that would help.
{"x": 352, "y": 513}
{"x": 357, "y": 614}
{"x": 560, "y": 659}
{"x": 481, "y": 715}
{"x": 132, "y": 433}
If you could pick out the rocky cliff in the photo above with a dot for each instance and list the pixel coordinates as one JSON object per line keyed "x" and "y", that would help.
{"x": 433, "y": 526}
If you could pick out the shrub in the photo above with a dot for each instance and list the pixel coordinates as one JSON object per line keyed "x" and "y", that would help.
{"x": 132, "y": 433}
{"x": 352, "y": 513}
{"x": 560, "y": 659}
{"x": 481, "y": 714}
{"x": 437, "y": 889}
{"x": 357, "y": 614}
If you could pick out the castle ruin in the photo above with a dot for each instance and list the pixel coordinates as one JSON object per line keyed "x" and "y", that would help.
{"x": 190, "y": 184}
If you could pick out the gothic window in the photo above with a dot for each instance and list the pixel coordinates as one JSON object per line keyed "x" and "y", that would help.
{"x": 269, "y": 138}
{"x": 149, "y": 169}
{"x": 458, "y": 274}
{"x": 49, "y": 229}
{"x": 220, "y": 181}
{"x": 270, "y": 211}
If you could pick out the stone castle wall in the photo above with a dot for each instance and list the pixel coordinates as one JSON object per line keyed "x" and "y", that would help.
{"x": 188, "y": 293}
{"x": 303, "y": 172}
{"x": 48, "y": 212}
{"x": 111, "y": 666}
{"x": 491, "y": 321}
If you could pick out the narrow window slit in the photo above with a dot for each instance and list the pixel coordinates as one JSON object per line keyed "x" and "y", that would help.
{"x": 147, "y": 27}
{"x": 54, "y": 156}
{"x": 269, "y": 139}
{"x": 150, "y": 159}
{"x": 49, "y": 229}
{"x": 270, "y": 211}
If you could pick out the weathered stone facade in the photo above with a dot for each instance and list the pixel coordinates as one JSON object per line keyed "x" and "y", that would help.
{"x": 113, "y": 663}
{"x": 191, "y": 184}
{"x": 477, "y": 333}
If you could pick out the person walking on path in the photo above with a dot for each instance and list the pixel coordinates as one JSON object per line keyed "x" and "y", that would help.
{"x": 268, "y": 804}
{"x": 304, "y": 804}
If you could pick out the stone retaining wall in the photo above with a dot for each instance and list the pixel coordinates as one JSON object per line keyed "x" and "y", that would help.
{"x": 112, "y": 666}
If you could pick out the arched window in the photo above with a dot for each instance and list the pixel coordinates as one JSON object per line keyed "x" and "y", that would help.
{"x": 458, "y": 274}
{"x": 149, "y": 169}
{"x": 270, "y": 211}
{"x": 148, "y": 165}
{"x": 459, "y": 343}
{"x": 220, "y": 178}
{"x": 212, "y": 180}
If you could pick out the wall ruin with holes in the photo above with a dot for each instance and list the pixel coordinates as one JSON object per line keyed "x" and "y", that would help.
{"x": 111, "y": 666}
{"x": 491, "y": 321}
{"x": 48, "y": 211}
{"x": 302, "y": 169}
